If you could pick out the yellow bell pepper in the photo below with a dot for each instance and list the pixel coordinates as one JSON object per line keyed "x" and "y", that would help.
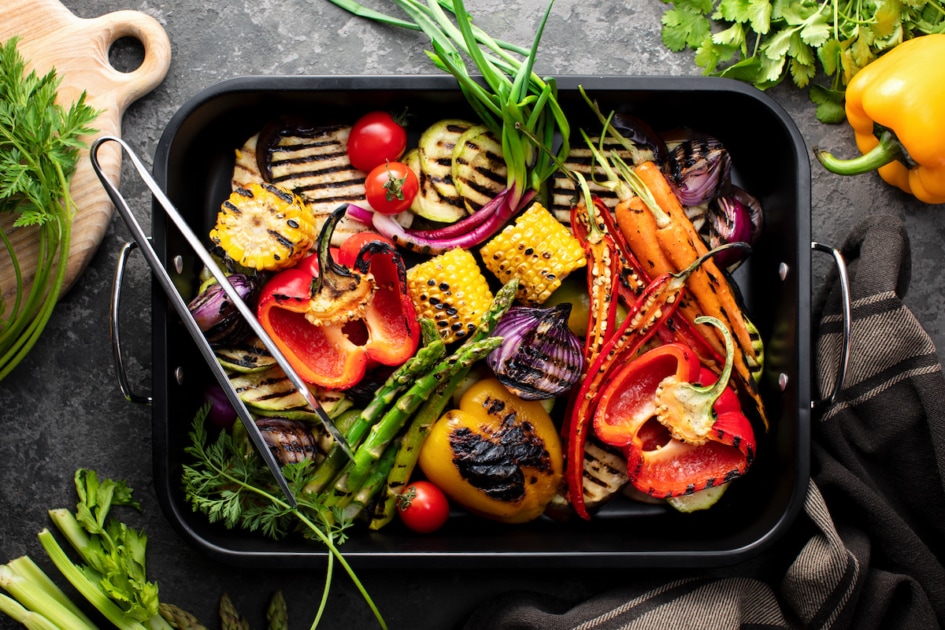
{"x": 496, "y": 455}
{"x": 896, "y": 106}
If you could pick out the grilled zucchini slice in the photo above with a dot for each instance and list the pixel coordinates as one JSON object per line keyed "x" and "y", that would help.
{"x": 581, "y": 160}
{"x": 479, "y": 172}
{"x": 436, "y": 153}
{"x": 429, "y": 203}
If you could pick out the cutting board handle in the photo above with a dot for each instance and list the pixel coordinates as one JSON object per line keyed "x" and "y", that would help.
{"x": 107, "y": 29}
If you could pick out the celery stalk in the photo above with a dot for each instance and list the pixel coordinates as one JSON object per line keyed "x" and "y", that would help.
{"x": 90, "y": 591}
{"x": 29, "y": 570}
{"x": 29, "y": 619}
{"x": 33, "y": 597}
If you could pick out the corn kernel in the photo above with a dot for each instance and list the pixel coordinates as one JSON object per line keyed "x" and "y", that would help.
{"x": 450, "y": 290}
{"x": 538, "y": 250}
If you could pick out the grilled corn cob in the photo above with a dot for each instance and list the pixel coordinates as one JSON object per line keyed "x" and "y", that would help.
{"x": 538, "y": 250}
{"x": 450, "y": 290}
{"x": 264, "y": 227}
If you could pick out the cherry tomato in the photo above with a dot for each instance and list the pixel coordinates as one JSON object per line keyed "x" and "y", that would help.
{"x": 376, "y": 138}
{"x": 391, "y": 187}
{"x": 423, "y": 507}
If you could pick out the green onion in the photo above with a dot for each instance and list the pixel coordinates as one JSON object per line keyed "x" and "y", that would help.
{"x": 510, "y": 99}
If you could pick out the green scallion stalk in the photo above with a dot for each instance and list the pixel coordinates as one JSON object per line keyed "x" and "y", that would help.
{"x": 510, "y": 99}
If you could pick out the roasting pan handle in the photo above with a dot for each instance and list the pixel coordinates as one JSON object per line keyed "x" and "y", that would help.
{"x": 113, "y": 327}
{"x": 847, "y": 323}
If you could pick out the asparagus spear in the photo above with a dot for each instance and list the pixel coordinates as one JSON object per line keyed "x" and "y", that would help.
{"x": 415, "y": 367}
{"x": 409, "y": 451}
{"x": 393, "y": 421}
{"x": 180, "y": 619}
{"x": 277, "y": 615}
{"x": 354, "y": 503}
{"x": 230, "y": 618}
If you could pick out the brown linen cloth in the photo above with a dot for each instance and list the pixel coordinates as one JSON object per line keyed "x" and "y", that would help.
{"x": 870, "y": 543}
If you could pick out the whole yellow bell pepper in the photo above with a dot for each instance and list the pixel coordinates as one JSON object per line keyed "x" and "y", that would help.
{"x": 896, "y": 106}
{"x": 497, "y": 455}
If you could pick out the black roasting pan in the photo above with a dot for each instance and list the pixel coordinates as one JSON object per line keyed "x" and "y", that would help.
{"x": 193, "y": 164}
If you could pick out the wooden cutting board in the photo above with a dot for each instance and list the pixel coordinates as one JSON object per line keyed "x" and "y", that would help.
{"x": 50, "y": 36}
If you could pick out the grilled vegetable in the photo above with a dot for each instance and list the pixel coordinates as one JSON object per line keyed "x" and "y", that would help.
{"x": 734, "y": 217}
{"x": 436, "y": 153}
{"x": 429, "y": 203}
{"x": 657, "y": 305}
{"x": 540, "y": 357}
{"x": 497, "y": 455}
{"x": 311, "y": 161}
{"x": 247, "y": 357}
{"x": 479, "y": 172}
{"x": 700, "y": 168}
{"x": 450, "y": 290}
{"x": 465, "y": 233}
{"x": 699, "y": 438}
{"x": 290, "y": 441}
{"x": 264, "y": 227}
{"x": 537, "y": 250}
{"x": 710, "y": 289}
{"x": 605, "y": 473}
{"x": 332, "y": 318}
{"x": 217, "y": 316}
{"x": 565, "y": 192}
{"x": 271, "y": 390}
{"x": 435, "y": 402}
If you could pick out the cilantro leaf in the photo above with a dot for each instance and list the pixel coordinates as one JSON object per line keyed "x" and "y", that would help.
{"x": 683, "y": 28}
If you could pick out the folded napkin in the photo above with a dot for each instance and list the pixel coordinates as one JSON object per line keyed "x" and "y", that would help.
{"x": 870, "y": 543}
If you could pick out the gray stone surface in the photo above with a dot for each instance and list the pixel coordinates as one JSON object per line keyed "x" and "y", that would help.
{"x": 62, "y": 410}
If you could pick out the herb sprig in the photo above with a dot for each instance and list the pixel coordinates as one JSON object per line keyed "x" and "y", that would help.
{"x": 765, "y": 41}
{"x": 39, "y": 149}
{"x": 233, "y": 486}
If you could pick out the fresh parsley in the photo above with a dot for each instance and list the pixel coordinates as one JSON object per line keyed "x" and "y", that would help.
{"x": 765, "y": 41}
{"x": 40, "y": 141}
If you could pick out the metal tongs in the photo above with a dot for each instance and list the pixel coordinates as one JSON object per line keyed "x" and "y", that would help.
{"x": 180, "y": 305}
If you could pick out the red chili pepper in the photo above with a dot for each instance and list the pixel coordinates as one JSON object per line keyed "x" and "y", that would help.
{"x": 633, "y": 279}
{"x": 603, "y": 267}
{"x": 334, "y": 319}
{"x": 651, "y": 311}
{"x": 681, "y": 428}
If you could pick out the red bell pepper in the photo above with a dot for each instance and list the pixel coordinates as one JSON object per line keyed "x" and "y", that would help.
{"x": 335, "y": 317}
{"x": 681, "y": 428}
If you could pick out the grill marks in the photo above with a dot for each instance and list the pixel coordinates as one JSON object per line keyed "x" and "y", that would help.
{"x": 580, "y": 160}
{"x": 316, "y": 166}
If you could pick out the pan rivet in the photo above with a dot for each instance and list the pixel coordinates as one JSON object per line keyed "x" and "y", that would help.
{"x": 782, "y": 381}
{"x": 783, "y": 270}
{"x": 179, "y": 263}
{"x": 179, "y": 375}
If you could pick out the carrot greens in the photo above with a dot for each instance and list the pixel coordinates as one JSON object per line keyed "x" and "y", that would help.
{"x": 40, "y": 142}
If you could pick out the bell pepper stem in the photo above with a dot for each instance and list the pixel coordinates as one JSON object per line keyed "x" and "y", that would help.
{"x": 888, "y": 149}
{"x": 686, "y": 409}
